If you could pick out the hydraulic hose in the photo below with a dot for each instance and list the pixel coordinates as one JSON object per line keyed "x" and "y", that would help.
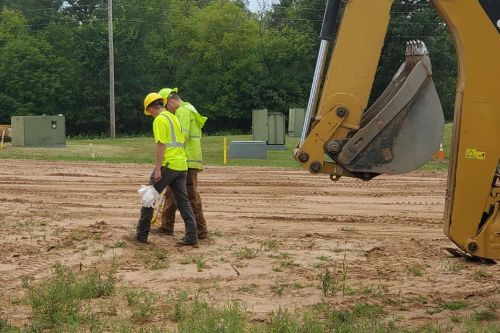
{"x": 327, "y": 28}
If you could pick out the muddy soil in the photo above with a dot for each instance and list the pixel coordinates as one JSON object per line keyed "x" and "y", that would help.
{"x": 273, "y": 232}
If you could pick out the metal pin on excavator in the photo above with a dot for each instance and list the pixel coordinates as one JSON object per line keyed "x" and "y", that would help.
{"x": 404, "y": 127}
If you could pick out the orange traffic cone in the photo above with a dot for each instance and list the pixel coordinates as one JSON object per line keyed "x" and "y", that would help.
{"x": 441, "y": 151}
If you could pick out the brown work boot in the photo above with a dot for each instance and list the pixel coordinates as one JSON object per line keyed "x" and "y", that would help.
{"x": 183, "y": 242}
{"x": 132, "y": 239}
{"x": 161, "y": 231}
{"x": 203, "y": 235}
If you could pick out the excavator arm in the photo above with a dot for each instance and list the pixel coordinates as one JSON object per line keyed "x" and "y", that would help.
{"x": 342, "y": 136}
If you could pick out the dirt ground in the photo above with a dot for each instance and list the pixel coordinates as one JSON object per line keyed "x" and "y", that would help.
{"x": 273, "y": 231}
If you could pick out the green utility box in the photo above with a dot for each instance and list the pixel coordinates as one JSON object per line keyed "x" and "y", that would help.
{"x": 296, "y": 119}
{"x": 276, "y": 128}
{"x": 38, "y": 131}
{"x": 269, "y": 127}
{"x": 259, "y": 125}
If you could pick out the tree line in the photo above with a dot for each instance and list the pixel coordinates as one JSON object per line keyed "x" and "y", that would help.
{"x": 225, "y": 59}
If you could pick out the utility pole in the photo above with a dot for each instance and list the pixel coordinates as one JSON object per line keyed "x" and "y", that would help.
{"x": 111, "y": 71}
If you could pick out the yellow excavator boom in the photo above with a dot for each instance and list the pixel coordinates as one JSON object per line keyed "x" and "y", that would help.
{"x": 403, "y": 128}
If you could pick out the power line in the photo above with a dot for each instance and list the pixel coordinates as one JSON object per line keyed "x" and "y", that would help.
{"x": 47, "y": 24}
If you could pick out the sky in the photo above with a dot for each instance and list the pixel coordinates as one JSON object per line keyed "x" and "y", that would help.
{"x": 254, "y": 4}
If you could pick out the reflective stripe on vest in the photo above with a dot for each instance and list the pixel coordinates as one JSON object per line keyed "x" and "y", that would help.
{"x": 174, "y": 139}
{"x": 193, "y": 161}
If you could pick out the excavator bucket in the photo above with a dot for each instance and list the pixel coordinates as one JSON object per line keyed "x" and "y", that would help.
{"x": 403, "y": 129}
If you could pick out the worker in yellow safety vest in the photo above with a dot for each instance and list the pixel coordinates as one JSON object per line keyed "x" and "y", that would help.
{"x": 170, "y": 170}
{"x": 192, "y": 123}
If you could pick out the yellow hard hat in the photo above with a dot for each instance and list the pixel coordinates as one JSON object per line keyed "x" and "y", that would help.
{"x": 150, "y": 98}
{"x": 165, "y": 93}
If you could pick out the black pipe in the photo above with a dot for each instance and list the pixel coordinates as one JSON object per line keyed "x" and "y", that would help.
{"x": 329, "y": 19}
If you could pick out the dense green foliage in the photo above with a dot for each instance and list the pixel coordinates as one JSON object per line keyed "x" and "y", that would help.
{"x": 225, "y": 59}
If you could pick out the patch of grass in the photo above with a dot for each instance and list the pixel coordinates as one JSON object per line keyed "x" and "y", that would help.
{"x": 269, "y": 244}
{"x": 206, "y": 286}
{"x": 361, "y": 290}
{"x": 330, "y": 284}
{"x": 298, "y": 285}
{"x": 179, "y": 310}
{"x": 5, "y": 327}
{"x": 348, "y": 229}
{"x": 485, "y": 315}
{"x": 394, "y": 299}
{"x": 414, "y": 270}
{"x": 246, "y": 289}
{"x": 455, "y": 305}
{"x": 194, "y": 259}
{"x": 119, "y": 244}
{"x": 369, "y": 311}
{"x": 153, "y": 259}
{"x": 435, "y": 310}
{"x": 495, "y": 288}
{"x": 324, "y": 258}
{"x": 246, "y": 253}
{"x": 200, "y": 263}
{"x": 492, "y": 304}
{"x": 361, "y": 317}
{"x": 204, "y": 317}
{"x": 216, "y": 233}
{"x": 480, "y": 272}
{"x": 100, "y": 251}
{"x": 59, "y": 299}
{"x": 286, "y": 263}
{"x": 279, "y": 287}
{"x": 285, "y": 321}
{"x": 141, "y": 303}
{"x": 286, "y": 255}
{"x": 141, "y": 150}
{"x": 419, "y": 299}
{"x": 454, "y": 266}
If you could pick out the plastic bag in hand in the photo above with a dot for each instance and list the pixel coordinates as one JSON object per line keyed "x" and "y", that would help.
{"x": 149, "y": 195}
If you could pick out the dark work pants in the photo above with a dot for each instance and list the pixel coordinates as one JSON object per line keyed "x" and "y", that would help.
{"x": 176, "y": 180}
{"x": 170, "y": 206}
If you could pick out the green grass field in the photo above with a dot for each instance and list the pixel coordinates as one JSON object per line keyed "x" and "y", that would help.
{"x": 142, "y": 150}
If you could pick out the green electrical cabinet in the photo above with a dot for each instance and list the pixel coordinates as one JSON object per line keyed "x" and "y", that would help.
{"x": 38, "y": 131}
{"x": 296, "y": 122}
{"x": 276, "y": 128}
{"x": 269, "y": 127}
{"x": 259, "y": 125}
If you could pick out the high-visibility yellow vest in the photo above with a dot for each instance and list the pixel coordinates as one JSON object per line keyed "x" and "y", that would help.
{"x": 192, "y": 123}
{"x": 167, "y": 130}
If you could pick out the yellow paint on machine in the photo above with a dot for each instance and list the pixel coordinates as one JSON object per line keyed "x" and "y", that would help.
{"x": 475, "y": 154}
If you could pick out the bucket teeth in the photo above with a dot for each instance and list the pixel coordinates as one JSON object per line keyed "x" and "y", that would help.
{"x": 416, "y": 52}
{"x": 415, "y": 48}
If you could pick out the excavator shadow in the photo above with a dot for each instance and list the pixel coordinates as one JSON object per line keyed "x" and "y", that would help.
{"x": 461, "y": 254}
